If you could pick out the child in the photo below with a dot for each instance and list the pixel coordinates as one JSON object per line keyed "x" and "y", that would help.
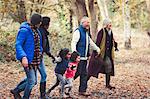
{"x": 71, "y": 70}
{"x": 60, "y": 69}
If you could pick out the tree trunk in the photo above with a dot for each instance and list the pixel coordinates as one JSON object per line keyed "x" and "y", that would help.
{"x": 94, "y": 19}
{"x": 127, "y": 24}
{"x": 148, "y": 5}
{"x": 78, "y": 10}
{"x": 20, "y": 15}
{"x": 148, "y": 10}
{"x": 103, "y": 9}
{"x": 74, "y": 12}
{"x": 81, "y": 9}
{"x": 21, "y": 11}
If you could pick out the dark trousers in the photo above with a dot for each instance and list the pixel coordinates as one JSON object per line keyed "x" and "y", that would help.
{"x": 107, "y": 79}
{"x": 82, "y": 72}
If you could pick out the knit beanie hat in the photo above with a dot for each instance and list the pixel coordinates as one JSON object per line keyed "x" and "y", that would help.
{"x": 36, "y": 19}
{"x": 45, "y": 21}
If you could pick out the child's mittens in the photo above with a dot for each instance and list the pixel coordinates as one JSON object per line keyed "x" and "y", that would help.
{"x": 57, "y": 60}
{"x": 73, "y": 67}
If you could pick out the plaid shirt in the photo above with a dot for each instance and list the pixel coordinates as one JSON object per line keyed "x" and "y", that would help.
{"x": 37, "y": 56}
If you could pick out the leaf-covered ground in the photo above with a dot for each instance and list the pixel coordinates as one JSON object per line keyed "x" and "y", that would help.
{"x": 132, "y": 75}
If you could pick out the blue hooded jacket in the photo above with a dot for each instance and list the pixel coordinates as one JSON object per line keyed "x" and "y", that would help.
{"x": 25, "y": 42}
{"x": 62, "y": 66}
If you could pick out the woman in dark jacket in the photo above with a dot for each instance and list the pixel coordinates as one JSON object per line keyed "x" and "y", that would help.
{"x": 104, "y": 63}
{"x": 44, "y": 31}
{"x": 46, "y": 49}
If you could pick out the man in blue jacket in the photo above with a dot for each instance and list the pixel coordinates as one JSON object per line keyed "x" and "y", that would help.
{"x": 29, "y": 53}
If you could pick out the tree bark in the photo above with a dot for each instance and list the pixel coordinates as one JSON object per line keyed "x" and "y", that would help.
{"x": 74, "y": 11}
{"x": 21, "y": 11}
{"x": 103, "y": 9}
{"x": 148, "y": 5}
{"x": 20, "y": 15}
{"x": 127, "y": 24}
{"x": 94, "y": 19}
{"x": 81, "y": 9}
{"x": 148, "y": 10}
{"x": 78, "y": 10}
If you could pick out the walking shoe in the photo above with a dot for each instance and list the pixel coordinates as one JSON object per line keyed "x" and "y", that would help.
{"x": 15, "y": 94}
{"x": 84, "y": 94}
{"x": 110, "y": 87}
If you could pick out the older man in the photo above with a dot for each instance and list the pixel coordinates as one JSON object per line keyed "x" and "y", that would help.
{"x": 81, "y": 43}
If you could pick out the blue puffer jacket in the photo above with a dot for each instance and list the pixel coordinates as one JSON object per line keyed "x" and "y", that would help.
{"x": 25, "y": 43}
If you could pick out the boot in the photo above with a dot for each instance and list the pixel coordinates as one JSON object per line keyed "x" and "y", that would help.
{"x": 110, "y": 87}
{"x": 108, "y": 82}
{"x": 15, "y": 94}
{"x": 43, "y": 90}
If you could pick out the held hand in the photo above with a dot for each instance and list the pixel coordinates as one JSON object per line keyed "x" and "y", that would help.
{"x": 57, "y": 60}
{"x": 50, "y": 55}
{"x": 116, "y": 49}
{"x": 98, "y": 51}
{"x": 25, "y": 62}
{"x": 96, "y": 54}
{"x": 116, "y": 46}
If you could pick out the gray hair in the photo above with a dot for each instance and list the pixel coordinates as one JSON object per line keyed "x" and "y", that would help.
{"x": 85, "y": 18}
{"x": 106, "y": 21}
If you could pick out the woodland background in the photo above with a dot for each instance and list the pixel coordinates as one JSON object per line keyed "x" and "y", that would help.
{"x": 131, "y": 27}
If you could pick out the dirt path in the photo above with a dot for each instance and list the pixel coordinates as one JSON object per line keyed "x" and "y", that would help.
{"x": 132, "y": 79}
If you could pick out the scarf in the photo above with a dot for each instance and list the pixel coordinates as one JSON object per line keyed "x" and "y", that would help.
{"x": 102, "y": 46}
{"x": 37, "y": 56}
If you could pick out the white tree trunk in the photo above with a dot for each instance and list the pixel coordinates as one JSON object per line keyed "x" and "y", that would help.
{"x": 148, "y": 4}
{"x": 75, "y": 22}
{"x": 103, "y": 8}
{"x": 91, "y": 9}
{"x": 148, "y": 9}
{"x": 127, "y": 24}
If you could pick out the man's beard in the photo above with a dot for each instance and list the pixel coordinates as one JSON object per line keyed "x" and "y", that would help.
{"x": 87, "y": 28}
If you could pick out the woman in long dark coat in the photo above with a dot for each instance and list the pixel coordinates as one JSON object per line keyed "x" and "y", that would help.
{"x": 104, "y": 62}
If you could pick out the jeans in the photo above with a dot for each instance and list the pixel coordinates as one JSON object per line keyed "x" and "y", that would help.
{"x": 42, "y": 71}
{"x": 31, "y": 74}
{"x": 21, "y": 86}
{"x": 82, "y": 72}
{"x": 62, "y": 82}
{"x": 69, "y": 84}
